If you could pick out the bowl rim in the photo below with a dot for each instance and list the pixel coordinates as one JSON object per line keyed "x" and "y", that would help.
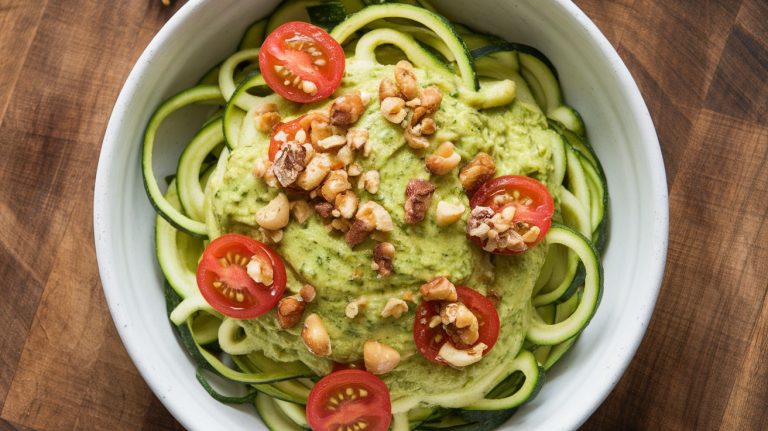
{"x": 103, "y": 235}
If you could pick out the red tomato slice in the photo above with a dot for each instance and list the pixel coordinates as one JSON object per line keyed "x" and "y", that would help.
{"x": 225, "y": 284}
{"x": 301, "y": 62}
{"x": 346, "y": 398}
{"x": 430, "y": 340}
{"x": 532, "y": 201}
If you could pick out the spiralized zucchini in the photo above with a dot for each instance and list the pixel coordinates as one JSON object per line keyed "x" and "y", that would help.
{"x": 495, "y": 73}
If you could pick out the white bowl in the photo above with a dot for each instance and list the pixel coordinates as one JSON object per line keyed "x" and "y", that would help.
{"x": 595, "y": 81}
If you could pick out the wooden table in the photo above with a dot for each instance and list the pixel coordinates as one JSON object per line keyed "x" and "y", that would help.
{"x": 702, "y": 67}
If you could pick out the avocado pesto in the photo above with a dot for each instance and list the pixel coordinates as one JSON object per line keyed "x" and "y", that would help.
{"x": 435, "y": 219}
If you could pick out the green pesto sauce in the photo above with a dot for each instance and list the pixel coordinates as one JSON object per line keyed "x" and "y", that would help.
{"x": 515, "y": 135}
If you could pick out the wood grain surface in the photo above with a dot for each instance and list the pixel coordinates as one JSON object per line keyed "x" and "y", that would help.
{"x": 702, "y": 66}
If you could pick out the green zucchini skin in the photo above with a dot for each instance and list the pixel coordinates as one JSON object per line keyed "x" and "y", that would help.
{"x": 437, "y": 23}
{"x": 198, "y": 94}
{"x": 540, "y": 333}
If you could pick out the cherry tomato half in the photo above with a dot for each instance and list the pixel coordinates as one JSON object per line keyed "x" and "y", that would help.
{"x": 224, "y": 281}
{"x": 301, "y": 62}
{"x": 532, "y": 202}
{"x": 346, "y": 398}
{"x": 430, "y": 340}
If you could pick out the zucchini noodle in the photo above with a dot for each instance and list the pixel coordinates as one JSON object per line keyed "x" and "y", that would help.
{"x": 480, "y": 74}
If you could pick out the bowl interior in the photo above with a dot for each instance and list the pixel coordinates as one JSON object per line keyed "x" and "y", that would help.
{"x": 595, "y": 82}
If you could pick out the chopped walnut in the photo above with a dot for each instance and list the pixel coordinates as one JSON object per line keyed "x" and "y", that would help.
{"x": 388, "y": 88}
{"x": 405, "y": 77}
{"x": 307, "y": 293}
{"x": 289, "y": 311}
{"x": 336, "y": 182}
{"x": 340, "y": 224}
{"x": 318, "y": 130}
{"x": 383, "y": 254}
{"x": 477, "y": 171}
{"x": 408, "y": 296}
{"x": 448, "y": 213}
{"x": 346, "y": 110}
{"x": 313, "y": 116}
{"x": 427, "y": 126}
{"x": 497, "y": 231}
{"x": 315, "y": 172}
{"x": 354, "y": 170}
{"x": 357, "y": 138}
{"x": 345, "y": 155}
{"x": 346, "y": 204}
{"x": 353, "y": 308}
{"x": 266, "y": 121}
{"x": 393, "y": 109}
{"x": 370, "y": 181}
{"x": 260, "y": 270}
{"x": 439, "y": 289}
{"x": 443, "y": 160}
{"x": 375, "y": 215}
{"x": 301, "y": 211}
{"x": 418, "y": 195}
{"x": 414, "y": 140}
{"x": 271, "y": 237}
{"x": 460, "y": 323}
{"x": 324, "y": 209}
{"x": 394, "y": 307}
{"x": 357, "y": 232}
{"x": 290, "y": 160}
{"x": 413, "y": 103}
{"x": 418, "y": 114}
{"x": 266, "y": 117}
{"x": 431, "y": 98}
{"x": 331, "y": 142}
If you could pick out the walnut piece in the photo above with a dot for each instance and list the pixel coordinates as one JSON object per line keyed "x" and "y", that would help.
{"x": 477, "y": 171}
{"x": 394, "y": 307}
{"x": 289, "y": 311}
{"x": 431, "y": 98}
{"x": 324, "y": 209}
{"x": 418, "y": 195}
{"x": 346, "y": 110}
{"x": 460, "y": 323}
{"x": 497, "y": 231}
{"x": 393, "y": 109}
{"x": 307, "y": 293}
{"x": 358, "y": 232}
{"x": 383, "y": 254}
{"x": 388, "y": 88}
{"x": 405, "y": 77}
{"x": 443, "y": 160}
{"x": 439, "y": 289}
{"x": 448, "y": 213}
{"x": 290, "y": 160}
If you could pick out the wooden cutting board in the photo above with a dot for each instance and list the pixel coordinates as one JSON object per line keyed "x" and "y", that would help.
{"x": 702, "y": 67}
